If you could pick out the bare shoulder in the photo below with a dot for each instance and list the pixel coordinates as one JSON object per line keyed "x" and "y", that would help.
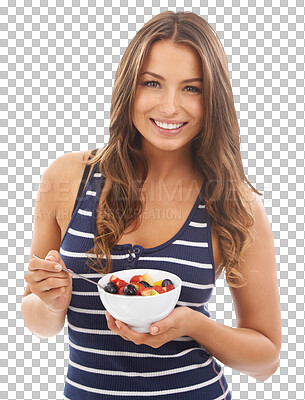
{"x": 61, "y": 180}
{"x": 64, "y": 174}
{"x": 68, "y": 165}
{"x": 248, "y": 194}
{"x": 261, "y": 231}
{"x": 54, "y": 199}
{"x": 254, "y": 205}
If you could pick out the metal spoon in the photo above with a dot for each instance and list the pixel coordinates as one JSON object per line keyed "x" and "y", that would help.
{"x": 74, "y": 273}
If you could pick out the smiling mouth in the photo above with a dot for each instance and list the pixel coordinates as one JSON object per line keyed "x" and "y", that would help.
{"x": 169, "y": 127}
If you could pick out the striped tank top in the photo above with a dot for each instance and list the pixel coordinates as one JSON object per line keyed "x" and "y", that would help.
{"x": 104, "y": 366}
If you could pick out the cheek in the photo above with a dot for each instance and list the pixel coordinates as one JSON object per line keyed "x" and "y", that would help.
{"x": 143, "y": 102}
{"x": 197, "y": 110}
{"x": 138, "y": 108}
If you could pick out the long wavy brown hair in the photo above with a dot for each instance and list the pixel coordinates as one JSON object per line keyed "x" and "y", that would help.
{"x": 216, "y": 149}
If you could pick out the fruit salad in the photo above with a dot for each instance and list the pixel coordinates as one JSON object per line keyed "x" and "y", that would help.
{"x": 139, "y": 285}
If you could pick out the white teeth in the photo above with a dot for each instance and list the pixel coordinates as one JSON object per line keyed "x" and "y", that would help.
{"x": 168, "y": 126}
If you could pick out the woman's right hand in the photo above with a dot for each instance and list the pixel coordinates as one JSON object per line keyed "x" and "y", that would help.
{"x": 53, "y": 286}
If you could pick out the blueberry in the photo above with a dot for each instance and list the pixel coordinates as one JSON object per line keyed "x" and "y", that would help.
{"x": 111, "y": 287}
{"x": 167, "y": 282}
{"x": 144, "y": 283}
{"x": 130, "y": 290}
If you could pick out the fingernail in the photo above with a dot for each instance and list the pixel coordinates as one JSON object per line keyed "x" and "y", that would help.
{"x": 50, "y": 258}
{"x": 118, "y": 324}
{"x": 57, "y": 267}
{"x": 154, "y": 330}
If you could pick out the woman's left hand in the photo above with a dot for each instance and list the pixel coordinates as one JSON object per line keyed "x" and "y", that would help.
{"x": 175, "y": 325}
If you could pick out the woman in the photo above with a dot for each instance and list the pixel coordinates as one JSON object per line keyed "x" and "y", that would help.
{"x": 174, "y": 146}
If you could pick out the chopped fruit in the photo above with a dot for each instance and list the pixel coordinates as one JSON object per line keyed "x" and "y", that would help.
{"x": 159, "y": 289}
{"x": 148, "y": 279}
{"x": 167, "y": 282}
{"x": 147, "y": 291}
{"x": 139, "y": 285}
{"x": 130, "y": 290}
{"x": 146, "y": 284}
{"x": 136, "y": 278}
{"x": 121, "y": 283}
{"x": 114, "y": 279}
{"x": 111, "y": 287}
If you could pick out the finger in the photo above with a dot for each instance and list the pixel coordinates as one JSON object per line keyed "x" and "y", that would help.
{"x": 136, "y": 337}
{"x": 50, "y": 283}
{"x": 111, "y": 323}
{"x": 50, "y": 295}
{"x": 113, "y": 327}
{"x": 54, "y": 255}
{"x": 174, "y": 322}
{"x": 141, "y": 338}
{"x": 163, "y": 326}
{"x": 40, "y": 275}
{"x": 45, "y": 265}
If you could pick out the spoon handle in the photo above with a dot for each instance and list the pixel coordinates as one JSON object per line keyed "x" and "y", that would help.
{"x": 74, "y": 273}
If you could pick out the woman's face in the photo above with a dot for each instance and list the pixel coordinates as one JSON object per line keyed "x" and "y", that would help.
{"x": 169, "y": 92}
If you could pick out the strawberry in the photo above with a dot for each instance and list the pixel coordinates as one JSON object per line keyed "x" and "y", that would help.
{"x": 159, "y": 289}
{"x": 114, "y": 279}
{"x": 136, "y": 278}
{"x": 121, "y": 283}
{"x": 140, "y": 288}
{"x": 147, "y": 291}
{"x": 120, "y": 291}
{"x": 169, "y": 288}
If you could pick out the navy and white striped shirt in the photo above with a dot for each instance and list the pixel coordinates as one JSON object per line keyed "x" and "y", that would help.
{"x": 102, "y": 365}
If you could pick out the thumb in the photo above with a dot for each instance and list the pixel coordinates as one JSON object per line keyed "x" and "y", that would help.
{"x": 53, "y": 255}
{"x": 159, "y": 327}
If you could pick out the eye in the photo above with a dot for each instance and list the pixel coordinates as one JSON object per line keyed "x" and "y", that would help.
{"x": 193, "y": 89}
{"x": 154, "y": 84}
{"x": 150, "y": 83}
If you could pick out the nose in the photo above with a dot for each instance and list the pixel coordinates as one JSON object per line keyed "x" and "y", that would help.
{"x": 169, "y": 102}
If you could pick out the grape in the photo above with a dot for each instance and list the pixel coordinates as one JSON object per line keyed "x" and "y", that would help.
{"x": 111, "y": 287}
{"x": 167, "y": 282}
{"x": 130, "y": 290}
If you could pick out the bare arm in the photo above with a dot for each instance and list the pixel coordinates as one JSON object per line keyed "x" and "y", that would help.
{"x": 47, "y": 294}
{"x": 48, "y": 291}
{"x": 39, "y": 318}
{"x": 252, "y": 347}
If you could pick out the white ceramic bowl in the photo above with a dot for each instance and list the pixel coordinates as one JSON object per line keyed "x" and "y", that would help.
{"x": 139, "y": 312}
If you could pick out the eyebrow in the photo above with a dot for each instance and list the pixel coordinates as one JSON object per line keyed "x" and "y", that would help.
{"x": 161, "y": 78}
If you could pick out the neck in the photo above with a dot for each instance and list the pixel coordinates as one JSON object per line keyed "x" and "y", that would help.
{"x": 169, "y": 166}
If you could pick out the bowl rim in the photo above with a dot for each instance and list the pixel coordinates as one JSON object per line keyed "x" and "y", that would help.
{"x": 137, "y": 297}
